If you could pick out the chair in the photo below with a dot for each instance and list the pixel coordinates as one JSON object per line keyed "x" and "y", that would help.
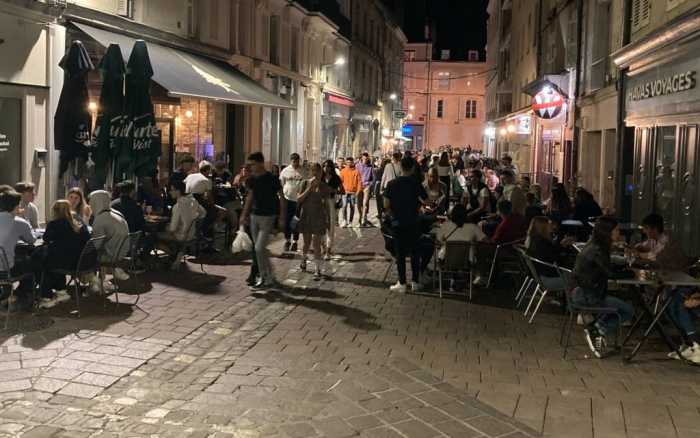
{"x": 389, "y": 242}
{"x": 573, "y": 310}
{"x": 88, "y": 263}
{"x": 458, "y": 261}
{"x": 127, "y": 262}
{"x": 544, "y": 285}
{"x": 501, "y": 250}
{"x": 192, "y": 244}
{"x": 528, "y": 281}
{"x": 7, "y": 280}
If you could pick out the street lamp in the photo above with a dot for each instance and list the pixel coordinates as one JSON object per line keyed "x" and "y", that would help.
{"x": 340, "y": 61}
{"x": 393, "y": 96}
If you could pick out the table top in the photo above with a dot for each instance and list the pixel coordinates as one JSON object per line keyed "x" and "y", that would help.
{"x": 641, "y": 278}
{"x": 678, "y": 278}
{"x": 572, "y": 223}
{"x": 156, "y": 219}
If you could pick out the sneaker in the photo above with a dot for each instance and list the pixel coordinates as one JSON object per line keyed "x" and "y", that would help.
{"x": 302, "y": 265}
{"x": 695, "y": 357}
{"x": 287, "y": 245}
{"x": 596, "y": 341}
{"x": 120, "y": 274}
{"x": 416, "y": 287}
{"x": 687, "y": 351}
{"x": 398, "y": 287}
{"x": 47, "y": 303}
{"x": 62, "y": 296}
{"x": 294, "y": 247}
{"x": 95, "y": 286}
{"x": 478, "y": 281}
{"x": 251, "y": 280}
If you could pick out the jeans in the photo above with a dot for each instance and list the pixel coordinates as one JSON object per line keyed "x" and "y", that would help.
{"x": 349, "y": 200}
{"x": 679, "y": 313}
{"x": 606, "y": 323}
{"x": 406, "y": 245}
{"x": 261, "y": 227}
{"x": 290, "y": 234}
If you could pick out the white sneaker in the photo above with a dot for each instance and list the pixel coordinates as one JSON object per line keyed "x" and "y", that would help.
{"x": 47, "y": 303}
{"x": 398, "y": 287}
{"x": 95, "y": 286}
{"x": 62, "y": 296}
{"x": 478, "y": 281}
{"x": 695, "y": 356}
{"x": 416, "y": 287}
{"x": 120, "y": 274}
{"x": 686, "y": 351}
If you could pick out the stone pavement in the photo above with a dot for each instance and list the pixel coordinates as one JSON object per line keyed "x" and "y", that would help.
{"x": 204, "y": 356}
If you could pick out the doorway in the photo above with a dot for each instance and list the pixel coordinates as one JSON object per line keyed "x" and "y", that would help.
{"x": 166, "y": 162}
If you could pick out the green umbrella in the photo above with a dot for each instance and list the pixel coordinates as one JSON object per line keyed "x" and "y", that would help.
{"x": 111, "y": 117}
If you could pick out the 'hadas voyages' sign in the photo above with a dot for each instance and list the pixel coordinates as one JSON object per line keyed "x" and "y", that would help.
{"x": 671, "y": 84}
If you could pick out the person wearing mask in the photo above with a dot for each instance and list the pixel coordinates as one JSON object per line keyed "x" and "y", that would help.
{"x": 128, "y": 207}
{"x": 313, "y": 217}
{"x": 28, "y": 209}
{"x": 291, "y": 179}
{"x": 445, "y": 171}
{"x": 265, "y": 204}
{"x": 364, "y": 167}
{"x": 352, "y": 185}
{"x": 335, "y": 186}
{"x": 402, "y": 199}
{"x": 591, "y": 273}
{"x": 513, "y": 193}
{"x": 477, "y": 197}
{"x": 13, "y": 229}
{"x": 111, "y": 225}
{"x": 81, "y": 210}
{"x": 181, "y": 228}
{"x": 65, "y": 238}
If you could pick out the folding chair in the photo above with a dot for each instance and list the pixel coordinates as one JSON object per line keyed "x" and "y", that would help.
{"x": 528, "y": 281}
{"x": 458, "y": 261}
{"x": 503, "y": 249}
{"x": 7, "y": 281}
{"x": 545, "y": 285}
{"x": 127, "y": 262}
{"x": 88, "y": 263}
{"x": 194, "y": 237}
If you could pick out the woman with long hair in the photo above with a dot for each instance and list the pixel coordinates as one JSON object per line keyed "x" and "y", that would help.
{"x": 437, "y": 192}
{"x": 591, "y": 274}
{"x": 81, "y": 210}
{"x": 65, "y": 237}
{"x": 559, "y": 207}
{"x": 313, "y": 217}
{"x": 542, "y": 246}
{"x": 445, "y": 171}
{"x": 335, "y": 186}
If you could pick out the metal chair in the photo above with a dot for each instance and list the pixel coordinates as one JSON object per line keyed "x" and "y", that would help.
{"x": 88, "y": 263}
{"x": 457, "y": 261}
{"x": 127, "y": 262}
{"x": 389, "y": 240}
{"x": 192, "y": 243}
{"x": 501, "y": 250}
{"x": 573, "y": 310}
{"x": 528, "y": 281}
{"x": 7, "y": 281}
{"x": 544, "y": 286}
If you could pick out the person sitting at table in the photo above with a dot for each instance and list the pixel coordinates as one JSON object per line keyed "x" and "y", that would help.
{"x": 111, "y": 225}
{"x": 181, "y": 227}
{"x": 477, "y": 197}
{"x": 81, "y": 210}
{"x": 186, "y": 165}
{"x": 541, "y": 245}
{"x": 559, "y": 205}
{"x": 65, "y": 238}
{"x": 15, "y": 229}
{"x": 457, "y": 229}
{"x": 437, "y": 193}
{"x": 221, "y": 175}
{"x": 512, "y": 226}
{"x": 27, "y": 207}
{"x": 199, "y": 185}
{"x": 533, "y": 209}
{"x": 591, "y": 273}
{"x": 128, "y": 207}
{"x": 585, "y": 206}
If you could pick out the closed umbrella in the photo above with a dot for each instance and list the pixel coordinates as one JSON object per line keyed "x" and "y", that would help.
{"x": 72, "y": 121}
{"x": 143, "y": 150}
{"x": 110, "y": 118}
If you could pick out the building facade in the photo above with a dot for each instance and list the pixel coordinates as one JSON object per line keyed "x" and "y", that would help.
{"x": 445, "y": 99}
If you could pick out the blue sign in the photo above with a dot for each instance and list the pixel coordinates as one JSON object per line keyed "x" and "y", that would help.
{"x": 407, "y": 131}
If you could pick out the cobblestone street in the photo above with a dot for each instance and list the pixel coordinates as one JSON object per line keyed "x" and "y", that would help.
{"x": 203, "y": 356}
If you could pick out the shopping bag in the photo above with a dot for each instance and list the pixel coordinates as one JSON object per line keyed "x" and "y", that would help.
{"x": 242, "y": 242}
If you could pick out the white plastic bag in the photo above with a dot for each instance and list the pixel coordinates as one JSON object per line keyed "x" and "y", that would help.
{"x": 242, "y": 242}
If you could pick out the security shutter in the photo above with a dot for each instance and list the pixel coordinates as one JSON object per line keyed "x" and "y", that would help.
{"x": 641, "y": 10}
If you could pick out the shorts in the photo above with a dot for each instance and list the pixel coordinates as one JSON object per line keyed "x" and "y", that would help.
{"x": 350, "y": 199}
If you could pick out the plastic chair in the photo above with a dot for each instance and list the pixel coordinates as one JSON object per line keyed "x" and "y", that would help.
{"x": 501, "y": 250}
{"x": 88, "y": 263}
{"x": 458, "y": 261}
{"x": 544, "y": 287}
{"x": 7, "y": 280}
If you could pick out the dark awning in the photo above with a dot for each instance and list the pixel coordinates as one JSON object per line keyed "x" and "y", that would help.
{"x": 187, "y": 75}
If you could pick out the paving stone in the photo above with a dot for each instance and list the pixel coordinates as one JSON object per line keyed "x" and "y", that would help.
{"x": 80, "y": 390}
{"x": 15, "y": 385}
{"x": 429, "y": 415}
{"x": 490, "y": 426}
{"x": 456, "y": 429}
{"x": 42, "y": 432}
{"x": 416, "y": 429}
{"x": 102, "y": 380}
{"x": 364, "y": 422}
{"x": 299, "y": 430}
{"x": 47, "y": 384}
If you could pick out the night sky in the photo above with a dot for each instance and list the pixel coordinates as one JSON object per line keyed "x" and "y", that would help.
{"x": 460, "y": 25}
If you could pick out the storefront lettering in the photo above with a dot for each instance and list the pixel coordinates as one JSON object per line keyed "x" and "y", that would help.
{"x": 663, "y": 87}
{"x": 4, "y": 143}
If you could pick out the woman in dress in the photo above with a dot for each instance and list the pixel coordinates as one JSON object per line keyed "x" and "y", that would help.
{"x": 313, "y": 216}
{"x": 80, "y": 209}
{"x": 332, "y": 180}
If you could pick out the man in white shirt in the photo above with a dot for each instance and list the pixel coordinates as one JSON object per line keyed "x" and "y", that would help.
{"x": 199, "y": 183}
{"x": 14, "y": 229}
{"x": 291, "y": 179}
{"x": 27, "y": 208}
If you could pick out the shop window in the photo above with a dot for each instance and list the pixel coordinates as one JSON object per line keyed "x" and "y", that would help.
{"x": 440, "y": 108}
{"x": 470, "y": 110}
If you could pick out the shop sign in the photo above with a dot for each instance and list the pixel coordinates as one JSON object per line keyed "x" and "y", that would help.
{"x": 400, "y": 114}
{"x": 10, "y": 140}
{"x": 551, "y": 134}
{"x": 548, "y": 103}
{"x": 664, "y": 86}
{"x": 522, "y": 125}
{"x": 407, "y": 131}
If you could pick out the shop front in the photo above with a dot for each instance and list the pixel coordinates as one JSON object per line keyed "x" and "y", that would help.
{"x": 513, "y": 137}
{"x": 335, "y": 126}
{"x": 662, "y": 105}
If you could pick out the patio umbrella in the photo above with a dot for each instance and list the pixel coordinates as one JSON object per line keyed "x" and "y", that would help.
{"x": 143, "y": 150}
{"x": 72, "y": 121}
{"x": 111, "y": 117}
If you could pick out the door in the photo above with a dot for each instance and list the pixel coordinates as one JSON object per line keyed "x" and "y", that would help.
{"x": 10, "y": 140}
{"x": 665, "y": 174}
{"x": 166, "y": 162}
{"x": 609, "y": 168}
{"x": 642, "y": 198}
{"x": 687, "y": 232}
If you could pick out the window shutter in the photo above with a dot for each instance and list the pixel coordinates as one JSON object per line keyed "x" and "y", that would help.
{"x": 641, "y": 10}
{"x": 123, "y": 8}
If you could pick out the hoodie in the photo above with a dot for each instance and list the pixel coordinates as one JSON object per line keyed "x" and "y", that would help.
{"x": 110, "y": 224}
{"x": 185, "y": 212}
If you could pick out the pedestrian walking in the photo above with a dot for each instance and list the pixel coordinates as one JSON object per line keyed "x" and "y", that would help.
{"x": 313, "y": 217}
{"x": 291, "y": 179}
{"x": 265, "y": 204}
{"x": 333, "y": 202}
{"x": 364, "y": 167}
{"x": 352, "y": 184}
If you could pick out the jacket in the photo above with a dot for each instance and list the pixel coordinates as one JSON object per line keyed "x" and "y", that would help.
{"x": 110, "y": 224}
{"x": 592, "y": 271}
{"x": 185, "y": 212}
{"x": 131, "y": 212}
{"x": 65, "y": 245}
{"x": 351, "y": 180}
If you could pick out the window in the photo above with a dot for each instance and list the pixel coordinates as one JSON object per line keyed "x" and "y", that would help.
{"x": 214, "y": 20}
{"x": 274, "y": 39}
{"x": 125, "y": 8}
{"x": 445, "y": 55}
{"x": 473, "y": 56}
{"x": 444, "y": 80}
{"x": 641, "y": 10}
{"x": 470, "y": 110}
{"x": 294, "y": 55}
{"x": 409, "y": 55}
{"x": 440, "y": 108}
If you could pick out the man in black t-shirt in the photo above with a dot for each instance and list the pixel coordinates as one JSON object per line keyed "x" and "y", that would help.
{"x": 403, "y": 198}
{"x": 264, "y": 205}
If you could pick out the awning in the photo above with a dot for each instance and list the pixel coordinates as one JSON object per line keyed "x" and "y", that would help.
{"x": 340, "y": 100}
{"x": 187, "y": 75}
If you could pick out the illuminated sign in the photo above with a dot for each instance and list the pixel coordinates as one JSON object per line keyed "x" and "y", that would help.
{"x": 663, "y": 86}
{"x": 407, "y": 131}
{"x": 548, "y": 103}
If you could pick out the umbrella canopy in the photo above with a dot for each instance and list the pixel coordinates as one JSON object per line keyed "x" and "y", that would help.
{"x": 111, "y": 117}
{"x": 142, "y": 152}
{"x": 72, "y": 121}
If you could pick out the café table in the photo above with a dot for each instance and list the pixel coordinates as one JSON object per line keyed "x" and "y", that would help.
{"x": 155, "y": 223}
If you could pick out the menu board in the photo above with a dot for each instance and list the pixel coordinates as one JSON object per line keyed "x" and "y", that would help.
{"x": 10, "y": 140}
